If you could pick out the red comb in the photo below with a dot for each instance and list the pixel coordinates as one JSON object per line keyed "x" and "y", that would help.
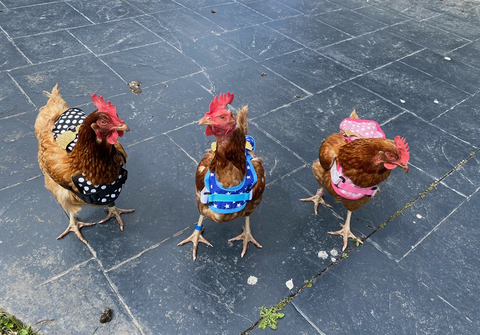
{"x": 403, "y": 148}
{"x": 105, "y": 107}
{"x": 220, "y": 102}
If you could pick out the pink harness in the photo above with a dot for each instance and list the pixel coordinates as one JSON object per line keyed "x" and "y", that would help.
{"x": 353, "y": 130}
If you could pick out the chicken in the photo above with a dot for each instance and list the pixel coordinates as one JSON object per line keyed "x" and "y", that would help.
{"x": 230, "y": 179}
{"x": 352, "y": 163}
{"x": 81, "y": 158}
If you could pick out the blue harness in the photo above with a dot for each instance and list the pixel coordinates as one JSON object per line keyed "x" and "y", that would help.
{"x": 233, "y": 199}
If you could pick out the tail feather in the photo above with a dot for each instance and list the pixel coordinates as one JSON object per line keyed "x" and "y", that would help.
{"x": 242, "y": 118}
{"x": 51, "y": 111}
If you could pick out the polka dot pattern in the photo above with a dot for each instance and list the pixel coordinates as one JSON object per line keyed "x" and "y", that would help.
{"x": 363, "y": 128}
{"x": 99, "y": 194}
{"x": 68, "y": 121}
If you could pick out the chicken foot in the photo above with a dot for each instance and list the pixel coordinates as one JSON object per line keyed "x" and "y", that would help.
{"x": 246, "y": 236}
{"x": 317, "y": 199}
{"x": 196, "y": 237}
{"x": 345, "y": 232}
{"x": 115, "y": 211}
{"x": 74, "y": 226}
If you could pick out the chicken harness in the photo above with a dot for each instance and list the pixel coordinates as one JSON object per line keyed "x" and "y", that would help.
{"x": 233, "y": 199}
{"x": 65, "y": 133}
{"x": 353, "y": 129}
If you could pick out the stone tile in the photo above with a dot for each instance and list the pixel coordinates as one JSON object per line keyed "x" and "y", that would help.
{"x": 452, "y": 71}
{"x": 309, "y": 70}
{"x": 462, "y": 121}
{"x": 212, "y": 293}
{"x": 151, "y": 64}
{"x": 260, "y": 42}
{"x": 437, "y": 157}
{"x": 244, "y": 79}
{"x": 211, "y": 52}
{"x": 201, "y": 3}
{"x": 428, "y": 36}
{"x": 368, "y": 52}
{"x": 20, "y": 3}
{"x": 77, "y": 77}
{"x": 389, "y": 302}
{"x": 277, "y": 161}
{"x": 179, "y": 26}
{"x": 50, "y": 46}
{"x": 153, "y": 6}
{"x": 382, "y": 15}
{"x": 447, "y": 249}
{"x": 351, "y": 4}
{"x": 308, "y": 31}
{"x": 162, "y": 108}
{"x": 414, "y": 9}
{"x": 464, "y": 24}
{"x": 311, "y": 7}
{"x": 422, "y": 94}
{"x": 350, "y": 22}
{"x": 232, "y": 16}
{"x": 10, "y": 57}
{"x": 161, "y": 189}
{"x": 114, "y": 36}
{"x": 105, "y": 10}
{"x": 273, "y": 9}
{"x": 303, "y": 126}
{"x": 467, "y": 54}
{"x": 59, "y": 300}
{"x": 31, "y": 20}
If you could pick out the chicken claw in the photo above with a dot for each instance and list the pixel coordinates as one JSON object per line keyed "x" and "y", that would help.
{"x": 115, "y": 211}
{"x": 196, "y": 237}
{"x": 317, "y": 199}
{"x": 345, "y": 232}
{"x": 74, "y": 226}
{"x": 246, "y": 236}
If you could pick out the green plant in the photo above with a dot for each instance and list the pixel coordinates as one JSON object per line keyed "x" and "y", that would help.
{"x": 270, "y": 317}
{"x": 9, "y": 325}
{"x": 344, "y": 255}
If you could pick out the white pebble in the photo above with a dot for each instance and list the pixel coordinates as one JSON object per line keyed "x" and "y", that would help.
{"x": 252, "y": 280}
{"x": 334, "y": 252}
{"x": 402, "y": 101}
{"x": 322, "y": 254}
{"x": 435, "y": 101}
{"x": 447, "y": 58}
{"x": 419, "y": 216}
{"x": 289, "y": 284}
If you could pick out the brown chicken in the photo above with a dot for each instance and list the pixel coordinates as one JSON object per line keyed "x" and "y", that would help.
{"x": 81, "y": 158}
{"x": 352, "y": 163}
{"x": 230, "y": 179}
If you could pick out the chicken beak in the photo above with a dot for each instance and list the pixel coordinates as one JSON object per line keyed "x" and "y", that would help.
{"x": 205, "y": 121}
{"x": 123, "y": 127}
{"x": 404, "y": 167}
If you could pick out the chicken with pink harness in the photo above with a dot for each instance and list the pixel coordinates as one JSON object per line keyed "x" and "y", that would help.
{"x": 354, "y": 129}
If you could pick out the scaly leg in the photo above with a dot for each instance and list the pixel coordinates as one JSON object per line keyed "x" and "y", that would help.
{"x": 317, "y": 199}
{"x": 75, "y": 226}
{"x": 196, "y": 237}
{"x": 115, "y": 211}
{"x": 345, "y": 232}
{"x": 246, "y": 236}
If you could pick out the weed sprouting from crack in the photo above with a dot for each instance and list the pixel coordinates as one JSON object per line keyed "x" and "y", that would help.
{"x": 270, "y": 316}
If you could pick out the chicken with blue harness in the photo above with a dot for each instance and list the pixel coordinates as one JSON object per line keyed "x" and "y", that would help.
{"x": 230, "y": 178}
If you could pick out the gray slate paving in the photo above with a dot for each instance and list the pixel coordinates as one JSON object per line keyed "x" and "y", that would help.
{"x": 411, "y": 65}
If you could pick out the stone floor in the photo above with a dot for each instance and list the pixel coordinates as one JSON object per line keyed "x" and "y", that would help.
{"x": 411, "y": 65}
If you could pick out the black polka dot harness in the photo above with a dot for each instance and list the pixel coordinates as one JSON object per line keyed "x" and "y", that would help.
{"x": 65, "y": 133}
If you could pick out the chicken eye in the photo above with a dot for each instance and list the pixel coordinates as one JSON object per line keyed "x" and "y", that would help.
{"x": 390, "y": 156}
{"x": 223, "y": 117}
{"x": 103, "y": 122}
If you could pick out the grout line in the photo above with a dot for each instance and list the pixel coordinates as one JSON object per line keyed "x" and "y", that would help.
{"x": 10, "y": 116}
{"x": 280, "y": 143}
{"x": 186, "y": 153}
{"x": 75, "y": 267}
{"x": 36, "y": 5}
{"x": 7, "y": 187}
{"x": 16, "y": 47}
{"x": 79, "y": 12}
{"x": 286, "y": 175}
{"x": 21, "y": 89}
{"x": 48, "y": 61}
{"x": 307, "y": 319}
{"x": 139, "y": 254}
{"x": 456, "y": 309}
{"x": 451, "y": 108}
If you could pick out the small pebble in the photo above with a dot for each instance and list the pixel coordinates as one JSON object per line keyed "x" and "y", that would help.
{"x": 263, "y": 74}
{"x": 252, "y": 280}
{"x": 106, "y": 316}
{"x": 289, "y": 284}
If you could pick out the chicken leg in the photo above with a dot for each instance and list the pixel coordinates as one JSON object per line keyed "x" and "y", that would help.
{"x": 196, "y": 237}
{"x": 345, "y": 232}
{"x": 317, "y": 199}
{"x": 246, "y": 236}
{"x": 75, "y": 226}
{"x": 115, "y": 211}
